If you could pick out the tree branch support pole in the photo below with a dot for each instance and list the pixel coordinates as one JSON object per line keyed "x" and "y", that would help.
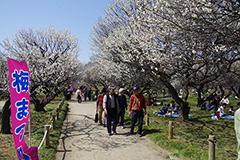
{"x": 57, "y": 114}
{"x": 47, "y": 139}
{"x": 211, "y": 147}
{"x": 170, "y": 130}
{"x": 54, "y": 122}
{"x": 29, "y": 133}
{"x": 147, "y": 119}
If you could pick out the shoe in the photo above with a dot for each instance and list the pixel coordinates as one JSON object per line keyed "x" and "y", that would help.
{"x": 104, "y": 125}
{"x": 100, "y": 123}
{"x": 139, "y": 135}
{"x": 115, "y": 133}
{"x": 109, "y": 134}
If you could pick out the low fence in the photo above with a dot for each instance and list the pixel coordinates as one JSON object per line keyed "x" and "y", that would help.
{"x": 46, "y": 136}
{"x": 211, "y": 140}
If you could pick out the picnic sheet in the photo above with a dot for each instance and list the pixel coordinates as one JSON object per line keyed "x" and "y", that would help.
{"x": 173, "y": 115}
{"x": 224, "y": 117}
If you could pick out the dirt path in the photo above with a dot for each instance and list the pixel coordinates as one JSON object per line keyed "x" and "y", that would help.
{"x": 83, "y": 139}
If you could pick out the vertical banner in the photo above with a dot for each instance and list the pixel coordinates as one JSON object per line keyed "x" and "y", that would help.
{"x": 19, "y": 80}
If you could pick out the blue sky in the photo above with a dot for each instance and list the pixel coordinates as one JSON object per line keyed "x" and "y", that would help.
{"x": 78, "y": 16}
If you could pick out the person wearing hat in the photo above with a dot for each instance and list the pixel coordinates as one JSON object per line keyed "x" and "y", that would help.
{"x": 122, "y": 101}
{"x": 111, "y": 109}
{"x": 136, "y": 105}
{"x": 237, "y": 128}
{"x": 101, "y": 114}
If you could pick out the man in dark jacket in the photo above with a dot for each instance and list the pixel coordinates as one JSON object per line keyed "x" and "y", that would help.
{"x": 111, "y": 109}
{"x": 122, "y": 101}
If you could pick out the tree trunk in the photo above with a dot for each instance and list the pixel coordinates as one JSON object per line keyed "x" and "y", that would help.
{"x": 210, "y": 94}
{"x": 185, "y": 109}
{"x": 222, "y": 91}
{"x": 39, "y": 105}
{"x": 6, "y": 112}
{"x": 235, "y": 92}
{"x": 185, "y": 93}
{"x": 184, "y": 105}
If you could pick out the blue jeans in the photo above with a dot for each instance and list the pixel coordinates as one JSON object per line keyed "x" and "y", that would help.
{"x": 121, "y": 115}
{"x": 137, "y": 115}
{"x": 112, "y": 116}
{"x": 213, "y": 107}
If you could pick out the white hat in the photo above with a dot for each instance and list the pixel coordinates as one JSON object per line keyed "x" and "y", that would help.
{"x": 121, "y": 89}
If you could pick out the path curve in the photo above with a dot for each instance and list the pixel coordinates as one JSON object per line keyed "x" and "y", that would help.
{"x": 82, "y": 138}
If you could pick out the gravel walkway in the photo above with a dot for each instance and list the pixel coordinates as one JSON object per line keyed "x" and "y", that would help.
{"x": 82, "y": 138}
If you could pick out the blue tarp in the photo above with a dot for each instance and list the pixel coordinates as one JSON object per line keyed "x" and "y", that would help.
{"x": 173, "y": 115}
{"x": 224, "y": 117}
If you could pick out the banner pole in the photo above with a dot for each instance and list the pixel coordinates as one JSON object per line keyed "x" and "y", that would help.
{"x": 29, "y": 132}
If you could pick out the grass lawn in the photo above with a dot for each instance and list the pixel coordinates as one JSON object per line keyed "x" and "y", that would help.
{"x": 200, "y": 126}
{"x": 38, "y": 120}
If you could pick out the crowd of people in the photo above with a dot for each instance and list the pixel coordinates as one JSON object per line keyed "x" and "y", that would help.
{"x": 169, "y": 109}
{"x": 81, "y": 93}
{"x": 219, "y": 105}
{"x": 111, "y": 108}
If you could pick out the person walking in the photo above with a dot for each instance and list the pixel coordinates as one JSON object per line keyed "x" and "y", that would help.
{"x": 237, "y": 128}
{"x": 89, "y": 93}
{"x": 111, "y": 109}
{"x": 122, "y": 101}
{"x": 79, "y": 95}
{"x": 136, "y": 106}
{"x": 101, "y": 113}
{"x": 85, "y": 91}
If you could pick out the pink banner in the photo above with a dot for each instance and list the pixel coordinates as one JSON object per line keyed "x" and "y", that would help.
{"x": 19, "y": 79}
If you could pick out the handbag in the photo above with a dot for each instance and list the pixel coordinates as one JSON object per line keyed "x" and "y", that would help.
{"x": 96, "y": 117}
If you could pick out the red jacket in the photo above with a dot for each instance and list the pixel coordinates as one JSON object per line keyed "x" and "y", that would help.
{"x": 100, "y": 100}
{"x": 137, "y": 103}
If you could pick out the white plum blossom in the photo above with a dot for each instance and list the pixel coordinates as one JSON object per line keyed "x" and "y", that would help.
{"x": 179, "y": 37}
{"x": 51, "y": 57}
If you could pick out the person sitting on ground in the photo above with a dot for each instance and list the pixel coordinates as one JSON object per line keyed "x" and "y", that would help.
{"x": 164, "y": 109}
{"x": 214, "y": 105}
{"x": 177, "y": 110}
{"x": 231, "y": 111}
{"x": 172, "y": 106}
{"x": 221, "y": 110}
{"x": 224, "y": 100}
{"x": 154, "y": 101}
{"x": 206, "y": 104}
{"x": 149, "y": 102}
